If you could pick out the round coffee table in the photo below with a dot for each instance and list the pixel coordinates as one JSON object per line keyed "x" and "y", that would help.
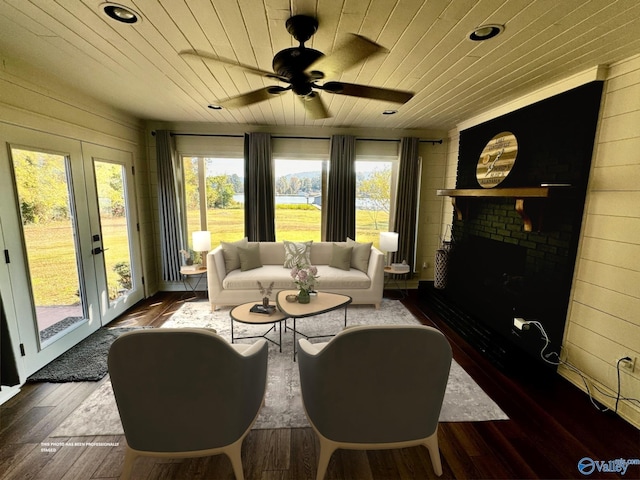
{"x": 243, "y": 314}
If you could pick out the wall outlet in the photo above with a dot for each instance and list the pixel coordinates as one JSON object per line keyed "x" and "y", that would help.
{"x": 520, "y": 323}
{"x": 425, "y": 265}
{"x": 628, "y": 364}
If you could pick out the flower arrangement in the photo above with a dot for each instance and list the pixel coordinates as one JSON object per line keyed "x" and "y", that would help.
{"x": 304, "y": 276}
{"x": 187, "y": 257}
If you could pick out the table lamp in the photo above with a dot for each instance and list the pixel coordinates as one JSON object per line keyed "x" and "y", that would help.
{"x": 202, "y": 244}
{"x": 389, "y": 244}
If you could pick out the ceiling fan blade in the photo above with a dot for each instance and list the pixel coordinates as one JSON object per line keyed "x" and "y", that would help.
{"x": 208, "y": 57}
{"x": 354, "y": 51}
{"x": 314, "y": 106}
{"x": 250, "y": 98}
{"x": 364, "y": 91}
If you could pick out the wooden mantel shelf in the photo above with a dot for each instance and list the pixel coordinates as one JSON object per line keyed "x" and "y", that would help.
{"x": 522, "y": 192}
{"x": 531, "y": 214}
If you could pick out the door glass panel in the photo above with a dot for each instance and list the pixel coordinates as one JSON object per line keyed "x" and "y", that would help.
{"x": 111, "y": 188}
{"x": 49, "y": 232}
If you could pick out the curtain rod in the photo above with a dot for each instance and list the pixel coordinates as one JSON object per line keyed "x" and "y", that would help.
{"x": 231, "y": 135}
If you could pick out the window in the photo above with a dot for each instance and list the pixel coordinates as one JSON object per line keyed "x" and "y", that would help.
{"x": 377, "y": 175}
{"x": 213, "y": 188}
{"x": 300, "y": 175}
{"x": 214, "y": 197}
{"x": 298, "y": 199}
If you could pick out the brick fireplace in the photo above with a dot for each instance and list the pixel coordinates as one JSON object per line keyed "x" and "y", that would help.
{"x": 497, "y": 269}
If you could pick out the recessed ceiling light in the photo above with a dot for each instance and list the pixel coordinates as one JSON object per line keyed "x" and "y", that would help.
{"x": 390, "y": 112}
{"x": 485, "y": 32}
{"x": 214, "y": 107}
{"x": 120, "y": 13}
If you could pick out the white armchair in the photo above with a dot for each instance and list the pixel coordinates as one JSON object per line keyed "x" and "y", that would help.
{"x": 375, "y": 388}
{"x": 186, "y": 393}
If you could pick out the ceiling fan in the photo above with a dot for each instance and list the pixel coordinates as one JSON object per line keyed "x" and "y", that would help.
{"x": 302, "y": 68}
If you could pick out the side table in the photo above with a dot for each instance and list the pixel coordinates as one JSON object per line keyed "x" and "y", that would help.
{"x": 391, "y": 276}
{"x": 191, "y": 278}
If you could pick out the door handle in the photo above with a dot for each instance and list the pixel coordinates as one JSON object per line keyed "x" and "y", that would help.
{"x": 98, "y": 250}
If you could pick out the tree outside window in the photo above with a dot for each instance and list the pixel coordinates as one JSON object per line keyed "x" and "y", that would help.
{"x": 219, "y": 206}
{"x": 374, "y": 195}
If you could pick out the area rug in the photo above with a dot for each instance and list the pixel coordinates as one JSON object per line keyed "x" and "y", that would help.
{"x": 86, "y": 362}
{"x": 464, "y": 400}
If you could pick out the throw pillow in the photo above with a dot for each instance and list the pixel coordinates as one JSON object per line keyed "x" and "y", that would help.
{"x": 360, "y": 255}
{"x": 297, "y": 253}
{"x": 341, "y": 257}
{"x": 230, "y": 253}
{"x": 249, "y": 257}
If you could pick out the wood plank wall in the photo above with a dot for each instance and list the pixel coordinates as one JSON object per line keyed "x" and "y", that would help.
{"x": 603, "y": 323}
{"x": 33, "y": 99}
{"x": 434, "y": 158}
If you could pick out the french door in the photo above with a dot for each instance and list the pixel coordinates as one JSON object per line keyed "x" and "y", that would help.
{"x": 62, "y": 283}
{"x": 114, "y": 227}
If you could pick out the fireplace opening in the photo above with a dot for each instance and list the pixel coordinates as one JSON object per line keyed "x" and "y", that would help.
{"x": 494, "y": 281}
{"x": 488, "y": 278}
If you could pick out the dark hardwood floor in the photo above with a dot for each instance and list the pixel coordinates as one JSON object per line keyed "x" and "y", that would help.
{"x": 551, "y": 426}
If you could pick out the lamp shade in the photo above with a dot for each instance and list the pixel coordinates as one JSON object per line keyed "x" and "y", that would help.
{"x": 201, "y": 241}
{"x": 389, "y": 241}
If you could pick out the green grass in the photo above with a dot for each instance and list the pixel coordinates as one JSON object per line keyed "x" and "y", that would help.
{"x": 53, "y": 265}
{"x": 52, "y": 261}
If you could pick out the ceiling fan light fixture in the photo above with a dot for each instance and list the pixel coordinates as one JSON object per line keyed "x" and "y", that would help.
{"x": 303, "y": 90}
{"x": 299, "y": 68}
{"x": 485, "y": 32}
{"x": 120, "y": 13}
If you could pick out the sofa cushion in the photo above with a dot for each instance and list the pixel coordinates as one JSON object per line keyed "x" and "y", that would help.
{"x": 230, "y": 253}
{"x": 341, "y": 257}
{"x": 360, "y": 255}
{"x": 297, "y": 253}
{"x": 249, "y": 257}
{"x": 239, "y": 280}
{"x": 329, "y": 279}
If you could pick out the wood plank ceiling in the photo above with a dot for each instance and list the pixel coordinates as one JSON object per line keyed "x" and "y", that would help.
{"x": 137, "y": 67}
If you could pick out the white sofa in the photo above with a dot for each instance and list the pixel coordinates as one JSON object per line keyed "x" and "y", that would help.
{"x": 237, "y": 286}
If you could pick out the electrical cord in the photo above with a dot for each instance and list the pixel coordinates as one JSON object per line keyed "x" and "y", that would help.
{"x": 576, "y": 370}
{"x": 618, "y": 396}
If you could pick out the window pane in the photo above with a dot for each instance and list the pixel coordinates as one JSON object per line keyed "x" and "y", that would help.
{"x": 298, "y": 200}
{"x": 373, "y": 199}
{"x": 214, "y": 198}
{"x": 191, "y": 194}
{"x": 225, "y": 198}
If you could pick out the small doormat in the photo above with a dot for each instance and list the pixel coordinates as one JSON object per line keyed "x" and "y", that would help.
{"x": 86, "y": 362}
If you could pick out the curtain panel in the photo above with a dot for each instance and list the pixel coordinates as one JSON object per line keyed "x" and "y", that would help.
{"x": 170, "y": 231}
{"x": 259, "y": 201}
{"x": 407, "y": 201}
{"x": 341, "y": 189}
